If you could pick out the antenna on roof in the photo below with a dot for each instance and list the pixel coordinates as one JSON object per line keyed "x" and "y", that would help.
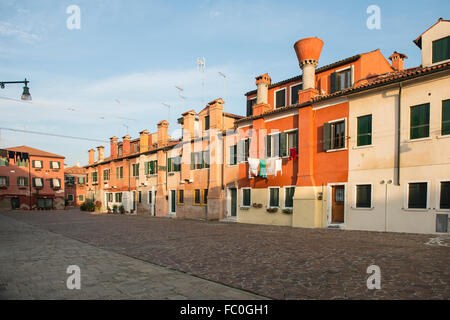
{"x": 224, "y": 84}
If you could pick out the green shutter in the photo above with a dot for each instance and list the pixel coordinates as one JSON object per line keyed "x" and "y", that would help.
{"x": 441, "y": 49}
{"x": 364, "y": 130}
{"x": 283, "y": 145}
{"x": 445, "y": 117}
{"x": 420, "y": 121}
{"x": 192, "y": 161}
{"x": 268, "y": 146}
{"x": 326, "y": 136}
{"x": 333, "y": 82}
{"x": 169, "y": 165}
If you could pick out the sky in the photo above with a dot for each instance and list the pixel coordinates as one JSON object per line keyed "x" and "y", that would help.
{"x": 111, "y": 76}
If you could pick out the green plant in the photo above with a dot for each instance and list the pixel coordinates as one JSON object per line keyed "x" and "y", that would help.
{"x": 272, "y": 210}
{"x": 122, "y": 209}
{"x": 87, "y": 206}
{"x": 115, "y": 208}
{"x": 287, "y": 211}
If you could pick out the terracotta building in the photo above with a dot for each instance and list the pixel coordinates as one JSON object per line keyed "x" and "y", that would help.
{"x": 31, "y": 178}
{"x": 75, "y": 185}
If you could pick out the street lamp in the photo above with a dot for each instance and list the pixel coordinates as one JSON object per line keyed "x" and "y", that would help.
{"x": 26, "y": 91}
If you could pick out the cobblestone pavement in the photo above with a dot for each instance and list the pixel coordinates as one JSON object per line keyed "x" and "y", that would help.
{"x": 34, "y": 263}
{"x": 277, "y": 262}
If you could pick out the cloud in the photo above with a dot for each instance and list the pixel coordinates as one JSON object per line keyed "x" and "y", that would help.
{"x": 8, "y": 30}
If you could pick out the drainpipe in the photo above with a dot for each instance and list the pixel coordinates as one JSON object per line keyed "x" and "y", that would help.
{"x": 398, "y": 132}
{"x": 29, "y": 179}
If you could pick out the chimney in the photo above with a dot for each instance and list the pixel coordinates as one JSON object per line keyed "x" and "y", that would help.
{"x": 216, "y": 114}
{"x": 101, "y": 153}
{"x": 144, "y": 140}
{"x": 78, "y": 164}
{"x": 163, "y": 137}
{"x": 91, "y": 156}
{"x": 113, "y": 146}
{"x": 262, "y": 84}
{"x": 397, "y": 60}
{"x": 188, "y": 124}
{"x": 126, "y": 145}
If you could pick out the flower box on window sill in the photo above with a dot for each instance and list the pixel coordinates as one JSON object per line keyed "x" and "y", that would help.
{"x": 37, "y": 169}
{"x": 257, "y": 205}
{"x": 55, "y": 170}
{"x": 287, "y": 211}
{"x": 56, "y": 188}
{"x": 22, "y": 187}
{"x": 171, "y": 173}
{"x": 272, "y": 210}
{"x": 3, "y": 186}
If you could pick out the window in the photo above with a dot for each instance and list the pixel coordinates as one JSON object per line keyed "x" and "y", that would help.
{"x": 4, "y": 181}
{"x": 174, "y": 164}
{"x": 70, "y": 197}
{"x": 291, "y": 142}
{"x": 364, "y": 130}
{"x": 38, "y": 164}
{"x": 150, "y": 197}
{"x": 38, "y": 182}
{"x": 445, "y": 117}
{"x": 54, "y": 165}
{"x": 197, "y": 196}
{"x": 364, "y": 196}
{"x": 444, "y": 199}
{"x": 118, "y": 197}
{"x": 274, "y": 197}
{"x": 87, "y": 177}
{"x": 21, "y": 163}
{"x": 4, "y": 162}
{"x": 139, "y": 196}
{"x": 205, "y": 196}
{"x": 206, "y": 123}
{"x": 151, "y": 167}
{"x": 81, "y": 180}
{"x": 119, "y": 172}
{"x": 200, "y": 160}
{"x": 22, "y": 181}
{"x": 233, "y": 155}
{"x": 289, "y": 197}
{"x": 180, "y": 196}
{"x": 135, "y": 168}
{"x": 340, "y": 80}
{"x": 294, "y": 92}
{"x": 417, "y": 195}
{"x": 420, "y": 121}
{"x": 106, "y": 174}
{"x": 243, "y": 149}
{"x": 334, "y": 135}
{"x": 120, "y": 150}
{"x": 55, "y": 183}
{"x": 246, "y": 197}
{"x": 94, "y": 176}
{"x": 441, "y": 49}
{"x": 280, "y": 98}
{"x": 81, "y": 198}
{"x": 250, "y": 104}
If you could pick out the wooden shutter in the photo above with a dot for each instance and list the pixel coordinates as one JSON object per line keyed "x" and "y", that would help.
{"x": 445, "y": 117}
{"x": 283, "y": 144}
{"x": 326, "y": 136}
{"x": 192, "y": 161}
{"x": 333, "y": 82}
{"x": 268, "y": 146}
{"x": 441, "y": 49}
{"x": 240, "y": 151}
{"x": 249, "y": 108}
{"x": 169, "y": 165}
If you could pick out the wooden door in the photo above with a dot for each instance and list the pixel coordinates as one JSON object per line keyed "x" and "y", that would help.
{"x": 233, "y": 202}
{"x": 337, "y": 204}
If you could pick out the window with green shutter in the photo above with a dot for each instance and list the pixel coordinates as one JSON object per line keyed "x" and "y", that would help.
{"x": 417, "y": 195}
{"x": 4, "y": 162}
{"x": 364, "y": 130}
{"x": 445, "y": 117}
{"x": 441, "y": 49}
{"x": 274, "y": 197}
{"x": 233, "y": 155}
{"x": 289, "y": 197}
{"x": 326, "y": 136}
{"x": 206, "y": 123}
{"x": 444, "y": 199}
{"x": 420, "y": 121}
{"x": 169, "y": 165}
{"x": 280, "y": 98}
{"x": 197, "y": 196}
{"x": 205, "y": 196}
{"x": 250, "y": 104}
{"x": 364, "y": 196}
{"x": 294, "y": 92}
{"x": 22, "y": 181}
{"x": 246, "y": 197}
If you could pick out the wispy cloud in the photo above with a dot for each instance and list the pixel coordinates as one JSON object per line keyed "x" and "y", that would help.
{"x": 8, "y": 30}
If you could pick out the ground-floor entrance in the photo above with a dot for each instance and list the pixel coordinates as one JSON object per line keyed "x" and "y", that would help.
{"x": 15, "y": 203}
{"x": 45, "y": 203}
{"x": 232, "y": 202}
{"x": 336, "y": 204}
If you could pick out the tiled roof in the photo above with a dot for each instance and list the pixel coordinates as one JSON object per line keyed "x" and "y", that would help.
{"x": 35, "y": 152}
{"x": 75, "y": 170}
{"x": 373, "y": 82}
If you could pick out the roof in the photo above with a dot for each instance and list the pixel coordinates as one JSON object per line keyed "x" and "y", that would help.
{"x": 373, "y": 82}
{"x": 35, "y": 152}
{"x": 75, "y": 170}
{"x": 418, "y": 41}
{"x": 318, "y": 70}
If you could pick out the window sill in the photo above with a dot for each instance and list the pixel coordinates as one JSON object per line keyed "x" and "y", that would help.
{"x": 442, "y": 210}
{"x": 231, "y": 165}
{"x": 443, "y": 136}
{"x": 363, "y": 147}
{"x": 363, "y": 209}
{"x": 416, "y": 210}
{"x": 336, "y": 150}
{"x": 418, "y": 139}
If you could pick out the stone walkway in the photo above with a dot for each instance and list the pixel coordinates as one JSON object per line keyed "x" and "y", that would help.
{"x": 275, "y": 262}
{"x": 34, "y": 263}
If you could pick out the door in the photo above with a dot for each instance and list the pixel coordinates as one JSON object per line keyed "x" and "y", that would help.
{"x": 134, "y": 200}
{"x": 172, "y": 201}
{"x": 15, "y": 203}
{"x": 233, "y": 195}
{"x": 337, "y": 204}
{"x": 48, "y": 203}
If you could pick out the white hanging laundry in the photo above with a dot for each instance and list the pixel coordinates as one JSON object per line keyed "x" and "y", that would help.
{"x": 278, "y": 164}
{"x": 270, "y": 166}
{"x": 253, "y": 167}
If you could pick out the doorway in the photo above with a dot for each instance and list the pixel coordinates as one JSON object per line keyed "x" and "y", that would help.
{"x": 172, "y": 201}
{"x": 15, "y": 203}
{"x": 232, "y": 202}
{"x": 337, "y": 204}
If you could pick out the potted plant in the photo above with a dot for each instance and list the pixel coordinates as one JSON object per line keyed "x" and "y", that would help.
{"x": 98, "y": 206}
{"x": 122, "y": 209}
{"x": 272, "y": 210}
{"x": 115, "y": 207}
{"x": 287, "y": 211}
{"x": 108, "y": 209}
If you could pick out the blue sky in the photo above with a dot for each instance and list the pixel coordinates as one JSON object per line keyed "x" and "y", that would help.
{"x": 116, "y": 71}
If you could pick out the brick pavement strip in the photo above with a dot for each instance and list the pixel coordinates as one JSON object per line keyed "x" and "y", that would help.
{"x": 276, "y": 262}
{"x": 34, "y": 262}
